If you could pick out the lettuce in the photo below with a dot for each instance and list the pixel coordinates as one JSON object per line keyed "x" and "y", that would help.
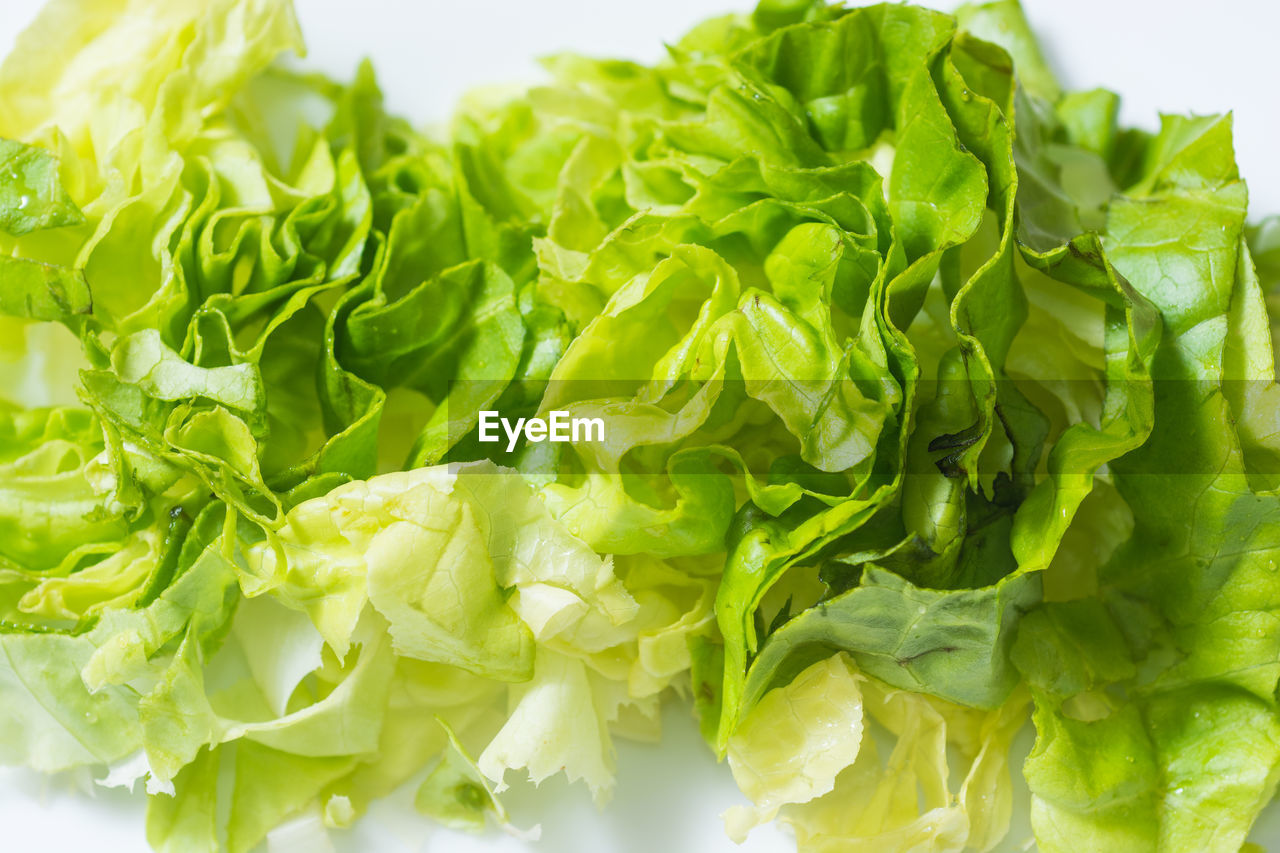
{"x": 931, "y": 396}
{"x": 212, "y": 561}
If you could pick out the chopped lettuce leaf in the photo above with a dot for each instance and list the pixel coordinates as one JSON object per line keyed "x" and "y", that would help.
{"x": 929, "y": 394}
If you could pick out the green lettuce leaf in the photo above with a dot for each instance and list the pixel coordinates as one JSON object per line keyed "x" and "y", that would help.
{"x": 929, "y": 392}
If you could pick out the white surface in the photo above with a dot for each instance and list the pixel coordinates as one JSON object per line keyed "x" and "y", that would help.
{"x": 1173, "y": 56}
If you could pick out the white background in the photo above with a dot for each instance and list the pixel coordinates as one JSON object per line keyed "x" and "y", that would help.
{"x": 1173, "y": 56}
